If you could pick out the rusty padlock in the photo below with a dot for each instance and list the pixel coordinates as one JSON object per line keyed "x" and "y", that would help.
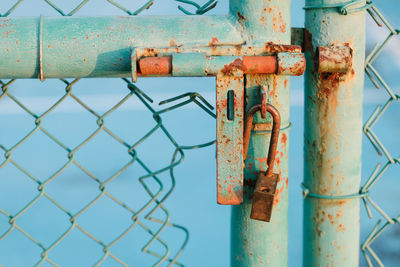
{"x": 264, "y": 191}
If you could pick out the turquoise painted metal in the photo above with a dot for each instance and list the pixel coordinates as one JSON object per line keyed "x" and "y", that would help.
{"x": 256, "y": 243}
{"x": 111, "y": 47}
{"x": 332, "y": 153}
{"x": 189, "y": 64}
{"x": 100, "y": 46}
{"x": 230, "y": 138}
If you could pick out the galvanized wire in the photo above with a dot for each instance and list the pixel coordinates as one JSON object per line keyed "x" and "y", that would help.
{"x": 139, "y": 217}
{"x": 390, "y": 160}
{"x": 200, "y": 10}
{"x": 345, "y": 8}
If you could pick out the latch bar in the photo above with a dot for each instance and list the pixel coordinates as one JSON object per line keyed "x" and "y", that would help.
{"x": 230, "y": 138}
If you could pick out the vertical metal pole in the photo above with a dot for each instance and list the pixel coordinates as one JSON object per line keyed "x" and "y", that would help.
{"x": 333, "y": 125}
{"x": 256, "y": 243}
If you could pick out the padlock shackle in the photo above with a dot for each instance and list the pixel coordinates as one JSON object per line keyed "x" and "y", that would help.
{"x": 276, "y": 125}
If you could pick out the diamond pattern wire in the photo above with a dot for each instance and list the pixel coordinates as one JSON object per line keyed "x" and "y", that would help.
{"x": 141, "y": 218}
{"x": 378, "y": 173}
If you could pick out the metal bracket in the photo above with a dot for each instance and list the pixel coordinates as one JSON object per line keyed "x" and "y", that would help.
{"x": 229, "y": 65}
{"x": 230, "y": 119}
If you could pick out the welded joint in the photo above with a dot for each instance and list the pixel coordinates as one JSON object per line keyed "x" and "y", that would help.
{"x": 334, "y": 59}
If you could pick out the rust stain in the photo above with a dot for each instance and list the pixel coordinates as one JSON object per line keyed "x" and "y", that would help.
{"x": 297, "y": 69}
{"x": 214, "y": 41}
{"x": 149, "y": 52}
{"x": 241, "y": 18}
{"x": 155, "y": 65}
{"x": 271, "y": 47}
{"x": 172, "y": 43}
{"x": 284, "y": 138}
{"x": 250, "y": 166}
{"x": 341, "y": 228}
{"x": 278, "y": 193}
{"x": 329, "y": 85}
{"x": 274, "y": 91}
{"x": 237, "y": 64}
{"x": 334, "y": 58}
{"x": 262, "y": 161}
{"x": 328, "y": 91}
{"x": 278, "y": 23}
{"x": 260, "y": 64}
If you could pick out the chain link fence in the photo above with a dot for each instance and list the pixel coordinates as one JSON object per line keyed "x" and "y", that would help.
{"x": 149, "y": 214}
{"x": 390, "y": 161}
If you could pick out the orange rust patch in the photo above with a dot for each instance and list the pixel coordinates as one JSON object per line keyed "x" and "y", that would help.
{"x": 214, "y": 41}
{"x": 278, "y": 193}
{"x": 341, "y": 228}
{"x": 237, "y": 64}
{"x": 155, "y": 65}
{"x": 260, "y": 64}
{"x": 328, "y": 92}
{"x": 172, "y": 43}
{"x": 284, "y": 138}
{"x": 263, "y": 160}
{"x": 278, "y": 23}
{"x": 270, "y": 47}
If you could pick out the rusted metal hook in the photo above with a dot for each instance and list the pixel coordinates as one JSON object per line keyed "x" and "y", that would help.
{"x": 276, "y": 118}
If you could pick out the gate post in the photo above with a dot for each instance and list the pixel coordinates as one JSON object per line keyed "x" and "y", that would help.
{"x": 256, "y": 243}
{"x": 335, "y": 51}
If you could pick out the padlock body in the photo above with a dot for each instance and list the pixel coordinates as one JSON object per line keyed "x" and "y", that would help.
{"x": 263, "y": 197}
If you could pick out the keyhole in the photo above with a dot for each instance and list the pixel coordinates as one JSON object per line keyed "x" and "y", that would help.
{"x": 265, "y": 189}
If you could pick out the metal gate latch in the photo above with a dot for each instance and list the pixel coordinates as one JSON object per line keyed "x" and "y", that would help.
{"x": 264, "y": 191}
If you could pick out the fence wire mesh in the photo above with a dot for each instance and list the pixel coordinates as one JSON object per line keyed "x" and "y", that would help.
{"x": 152, "y": 216}
{"x": 390, "y": 161}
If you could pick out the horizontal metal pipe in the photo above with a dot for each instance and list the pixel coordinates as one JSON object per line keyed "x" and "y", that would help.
{"x": 155, "y": 66}
{"x": 100, "y": 46}
{"x": 260, "y": 65}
